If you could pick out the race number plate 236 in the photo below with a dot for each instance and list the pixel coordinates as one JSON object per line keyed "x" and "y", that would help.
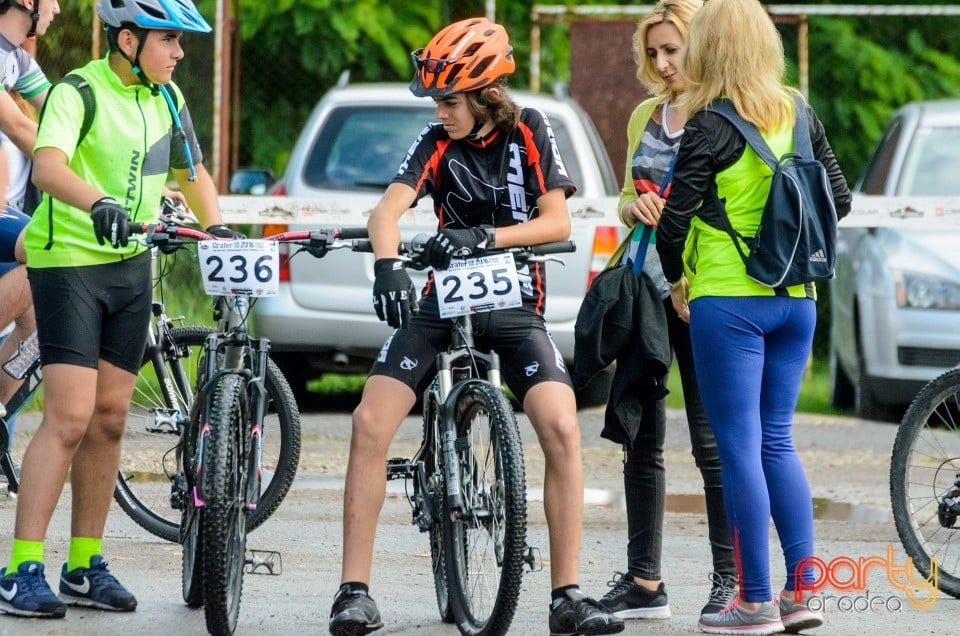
{"x": 242, "y": 266}
{"x": 479, "y": 284}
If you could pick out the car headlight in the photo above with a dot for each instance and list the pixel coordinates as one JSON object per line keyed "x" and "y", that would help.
{"x": 921, "y": 291}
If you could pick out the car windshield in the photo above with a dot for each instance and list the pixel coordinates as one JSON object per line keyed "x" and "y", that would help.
{"x": 930, "y": 168}
{"x": 361, "y": 147}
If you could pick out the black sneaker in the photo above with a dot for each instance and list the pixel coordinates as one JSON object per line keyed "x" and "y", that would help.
{"x": 95, "y": 587}
{"x": 353, "y": 613}
{"x": 26, "y": 593}
{"x": 578, "y": 614}
{"x": 627, "y": 599}
{"x": 723, "y": 592}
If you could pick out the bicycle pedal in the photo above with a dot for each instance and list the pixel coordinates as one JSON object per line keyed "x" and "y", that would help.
{"x": 399, "y": 468}
{"x": 533, "y": 559}
{"x": 263, "y": 562}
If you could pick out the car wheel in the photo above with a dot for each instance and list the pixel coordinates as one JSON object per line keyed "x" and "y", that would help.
{"x": 842, "y": 392}
{"x": 297, "y": 372}
{"x": 870, "y": 408}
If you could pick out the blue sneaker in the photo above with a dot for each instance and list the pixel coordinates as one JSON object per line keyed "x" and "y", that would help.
{"x": 95, "y": 587}
{"x": 26, "y": 593}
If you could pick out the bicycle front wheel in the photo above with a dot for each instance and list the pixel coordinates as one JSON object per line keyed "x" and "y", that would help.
{"x": 485, "y": 543}
{"x": 925, "y": 481}
{"x": 150, "y": 484}
{"x": 224, "y": 527}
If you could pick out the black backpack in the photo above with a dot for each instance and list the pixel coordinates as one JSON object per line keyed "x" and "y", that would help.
{"x": 796, "y": 241}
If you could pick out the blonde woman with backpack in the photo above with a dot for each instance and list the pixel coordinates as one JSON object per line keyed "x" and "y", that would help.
{"x": 750, "y": 342}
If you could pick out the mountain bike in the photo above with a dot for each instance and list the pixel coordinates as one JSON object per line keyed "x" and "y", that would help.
{"x": 468, "y": 481}
{"x": 151, "y": 485}
{"x": 925, "y": 481}
{"x": 221, "y": 440}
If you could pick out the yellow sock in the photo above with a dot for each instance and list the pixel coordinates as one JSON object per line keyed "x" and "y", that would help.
{"x": 81, "y": 549}
{"x": 22, "y": 552}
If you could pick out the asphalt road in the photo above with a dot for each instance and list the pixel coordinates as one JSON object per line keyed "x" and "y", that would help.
{"x": 847, "y": 461}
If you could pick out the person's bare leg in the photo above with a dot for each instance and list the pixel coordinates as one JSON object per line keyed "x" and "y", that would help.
{"x": 17, "y": 292}
{"x": 552, "y": 410}
{"x": 94, "y": 469}
{"x": 69, "y": 392}
{"x": 384, "y": 404}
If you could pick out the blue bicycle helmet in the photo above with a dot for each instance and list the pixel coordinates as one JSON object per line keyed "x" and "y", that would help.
{"x": 176, "y": 15}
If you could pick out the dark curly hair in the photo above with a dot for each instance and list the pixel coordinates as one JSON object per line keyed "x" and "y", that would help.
{"x": 494, "y": 103}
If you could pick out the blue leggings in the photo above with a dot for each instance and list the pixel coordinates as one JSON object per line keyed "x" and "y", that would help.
{"x": 750, "y": 354}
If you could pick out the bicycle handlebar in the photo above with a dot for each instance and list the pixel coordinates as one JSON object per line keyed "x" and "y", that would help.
{"x": 411, "y": 251}
{"x": 167, "y": 232}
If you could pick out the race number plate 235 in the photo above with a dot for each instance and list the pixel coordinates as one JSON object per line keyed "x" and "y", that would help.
{"x": 479, "y": 284}
{"x": 244, "y": 266}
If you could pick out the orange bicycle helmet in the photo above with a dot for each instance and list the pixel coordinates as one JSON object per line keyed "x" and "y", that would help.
{"x": 464, "y": 56}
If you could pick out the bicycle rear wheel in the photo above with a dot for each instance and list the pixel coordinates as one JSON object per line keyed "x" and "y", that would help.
{"x": 150, "y": 474}
{"x": 485, "y": 544}
{"x": 224, "y": 528}
{"x": 925, "y": 481}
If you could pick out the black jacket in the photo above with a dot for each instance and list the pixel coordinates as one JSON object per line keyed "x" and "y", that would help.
{"x": 622, "y": 319}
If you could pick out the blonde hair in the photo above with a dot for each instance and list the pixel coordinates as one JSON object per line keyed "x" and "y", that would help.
{"x": 675, "y": 12}
{"x": 734, "y": 50}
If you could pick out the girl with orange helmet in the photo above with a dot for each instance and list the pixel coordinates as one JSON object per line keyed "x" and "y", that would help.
{"x": 496, "y": 178}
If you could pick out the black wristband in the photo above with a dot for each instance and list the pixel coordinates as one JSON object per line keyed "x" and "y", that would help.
{"x": 491, "y": 233}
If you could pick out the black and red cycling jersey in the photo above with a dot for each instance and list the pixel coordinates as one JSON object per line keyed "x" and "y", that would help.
{"x": 494, "y": 181}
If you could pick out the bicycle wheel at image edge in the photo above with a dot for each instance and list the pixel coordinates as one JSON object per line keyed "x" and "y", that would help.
{"x": 224, "y": 531}
{"x": 924, "y": 470}
{"x": 485, "y": 545}
{"x": 148, "y": 462}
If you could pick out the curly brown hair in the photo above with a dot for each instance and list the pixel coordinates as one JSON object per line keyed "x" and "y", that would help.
{"x": 494, "y": 103}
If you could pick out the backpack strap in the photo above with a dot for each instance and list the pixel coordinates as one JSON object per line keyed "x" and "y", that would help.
{"x": 89, "y": 103}
{"x": 801, "y": 146}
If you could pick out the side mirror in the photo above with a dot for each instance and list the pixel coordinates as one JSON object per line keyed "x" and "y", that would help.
{"x": 251, "y": 181}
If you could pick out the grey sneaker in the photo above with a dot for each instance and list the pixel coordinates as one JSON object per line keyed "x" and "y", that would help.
{"x": 723, "y": 592}
{"x": 797, "y": 616}
{"x": 353, "y": 614}
{"x": 627, "y": 599}
{"x": 736, "y": 619}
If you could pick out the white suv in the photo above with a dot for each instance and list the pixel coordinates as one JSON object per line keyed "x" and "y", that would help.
{"x": 349, "y": 150}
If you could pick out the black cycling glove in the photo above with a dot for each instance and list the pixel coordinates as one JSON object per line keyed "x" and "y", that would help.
{"x": 110, "y": 222}
{"x": 394, "y": 296}
{"x": 445, "y": 244}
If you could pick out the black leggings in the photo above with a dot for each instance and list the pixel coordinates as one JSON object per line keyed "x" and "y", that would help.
{"x": 644, "y": 478}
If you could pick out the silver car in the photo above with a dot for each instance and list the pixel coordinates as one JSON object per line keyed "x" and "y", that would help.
{"x": 895, "y": 303}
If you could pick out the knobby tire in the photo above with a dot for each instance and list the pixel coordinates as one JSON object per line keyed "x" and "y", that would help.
{"x": 224, "y": 531}
{"x": 437, "y": 494}
{"x": 148, "y": 463}
{"x": 924, "y": 467}
{"x": 485, "y": 545}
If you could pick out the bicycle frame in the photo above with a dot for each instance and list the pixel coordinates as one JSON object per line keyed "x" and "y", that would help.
{"x": 445, "y": 397}
{"x": 231, "y": 350}
{"x": 31, "y": 381}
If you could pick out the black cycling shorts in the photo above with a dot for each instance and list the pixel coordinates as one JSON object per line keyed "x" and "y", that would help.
{"x": 91, "y": 313}
{"x": 528, "y": 355}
